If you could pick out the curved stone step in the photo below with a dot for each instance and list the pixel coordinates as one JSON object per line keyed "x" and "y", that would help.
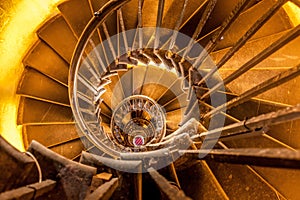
{"x": 203, "y": 182}
{"x": 36, "y": 85}
{"x": 239, "y": 181}
{"x": 278, "y": 23}
{"x": 285, "y": 57}
{"x": 50, "y": 134}
{"x": 32, "y": 111}
{"x": 220, "y": 12}
{"x": 57, "y": 34}
{"x": 285, "y": 93}
{"x": 51, "y": 65}
{"x": 71, "y": 149}
{"x": 77, "y": 13}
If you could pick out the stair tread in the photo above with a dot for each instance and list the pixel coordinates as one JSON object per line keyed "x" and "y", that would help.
{"x": 44, "y": 107}
{"x": 150, "y": 10}
{"x": 282, "y": 132}
{"x": 130, "y": 17}
{"x": 103, "y": 163}
{"x": 201, "y": 176}
{"x": 286, "y": 188}
{"x": 281, "y": 94}
{"x": 104, "y": 191}
{"x": 155, "y": 82}
{"x": 71, "y": 149}
{"x": 254, "y": 108}
{"x": 174, "y": 118}
{"x": 282, "y": 58}
{"x": 138, "y": 75}
{"x": 278, "y": 23}
{"x": 287, "y": 133}
{"x": 36, "y": 85}
{"x": 179, "y": 102}
{"x": 173, "y": 91}
{"x": 166, "y": 187}
{"x": 172, "y": 14}
{"x": 50, "y": 134}
{"x": 232, "y": 176}
{"x": 105, "y": 110}
{"x": 32, "y": 111}
{"x": 114, "y": 94}
{"x": 76, "y": 20}
{"x": 42, "y": 58}
{"x": 126, "y": 83}
{"x": 219, "y": 13}
{"x": 57, "y": 34}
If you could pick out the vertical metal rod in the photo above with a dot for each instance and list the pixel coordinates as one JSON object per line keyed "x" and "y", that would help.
{"x": 172, "y": 100}
{"x": 87, "y": 83}
{"x": 275, "y": 46}
{"x": 227, "y": 23}
{"x": 98, "y": 59}
{"x": 105, "y": 30}
{"x": 158, "y": 23}
{"x": 139, "y": 184}
{"x": 84, "y": 98}
{"x": 92, "y": 70}
{"x": 254, "y": 28}
{"x": 144, "y": 79}
{"x": 191, "y": 100}
{"x": 194, "y": 13}
{"x": 140, "y": 23}
{"x": 277, "y": 141}
{"x": 165, "y": 186}
{"x": 100, "y": 39}
{"x": 174, "y": 174}
{"x": 191, "y": 83}
{"x": 123, "y": 29}
{"x": 194, "y": 147}
{"x": 216, "y": 38}
{"x": 177, "y": 26}
{"x": 118, "y": 35}
{"x": 223, "y": 113}
{"x": 104, "y": 67}
{"x": 208, "y": 10}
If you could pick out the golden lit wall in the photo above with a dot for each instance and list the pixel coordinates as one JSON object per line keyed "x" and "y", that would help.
{"x": 18, "y": 22}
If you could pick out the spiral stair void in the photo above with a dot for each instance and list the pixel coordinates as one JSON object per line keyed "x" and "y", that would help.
{"x": 254, "y": 48}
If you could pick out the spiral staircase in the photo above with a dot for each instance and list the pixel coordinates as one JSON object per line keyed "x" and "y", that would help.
{"x": 94, "y": 60}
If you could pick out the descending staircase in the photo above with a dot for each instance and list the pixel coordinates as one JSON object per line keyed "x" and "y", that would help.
{"x": 242, "y": 99}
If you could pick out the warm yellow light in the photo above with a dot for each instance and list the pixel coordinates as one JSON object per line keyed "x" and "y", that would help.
{"x": 293, "y": 12}
{"x": 17, "y": 34}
